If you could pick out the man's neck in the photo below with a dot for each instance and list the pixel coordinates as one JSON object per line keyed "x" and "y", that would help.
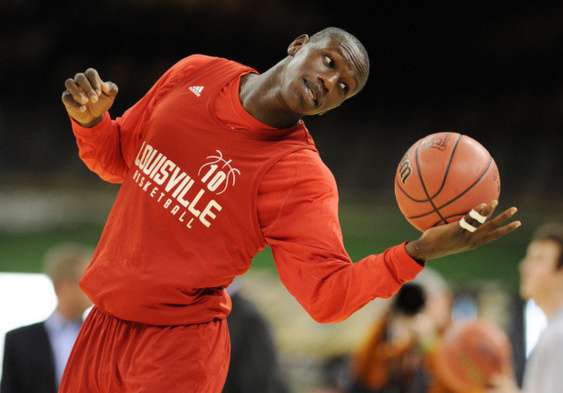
{"x": 551, "y": 305}
{"x": 259, "y": 96}
{"x": 69, "y": 313}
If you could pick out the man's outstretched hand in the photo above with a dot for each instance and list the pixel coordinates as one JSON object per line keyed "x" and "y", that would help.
{"x": 87, "y": 97}
{"x": 451, "y": 238}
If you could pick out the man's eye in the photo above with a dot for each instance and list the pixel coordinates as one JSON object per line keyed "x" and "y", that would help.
{"x": 328, "y": 60}
{"x": 344, "y": 87}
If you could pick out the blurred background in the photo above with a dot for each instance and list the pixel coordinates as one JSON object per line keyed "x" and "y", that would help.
{"x": 491, "y": 71}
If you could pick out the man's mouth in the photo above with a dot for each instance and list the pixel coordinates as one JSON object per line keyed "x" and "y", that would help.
{"x": 311, "y": 92}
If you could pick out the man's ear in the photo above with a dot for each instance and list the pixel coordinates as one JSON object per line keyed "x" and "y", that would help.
{"x": 297, "y": 44}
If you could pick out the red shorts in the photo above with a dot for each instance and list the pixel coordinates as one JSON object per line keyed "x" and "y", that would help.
{"x": 113, "y": 355}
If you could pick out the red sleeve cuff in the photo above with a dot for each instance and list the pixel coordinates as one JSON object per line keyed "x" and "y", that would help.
{"x": 80, "y": 131}
{"x": 408, "y": 268}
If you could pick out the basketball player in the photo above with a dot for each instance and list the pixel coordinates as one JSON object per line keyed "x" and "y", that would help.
{"x": 216, "y": 163}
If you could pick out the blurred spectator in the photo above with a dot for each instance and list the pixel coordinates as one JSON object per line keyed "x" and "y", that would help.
{"x": 254, "y": 366}
{"x": 335, "y": 375}
{"x": 541, "y": 274}
{"x": 35, "y": 355}
{"x": 397, "y": 357}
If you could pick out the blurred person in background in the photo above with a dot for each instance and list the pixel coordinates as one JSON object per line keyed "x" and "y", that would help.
{"x": 254, "y": 363}
{"x": 35, "y": 356}
{"x": 541, "y": 279}
{"x": 216, "y": 163}
{"x": 397, "y": 356}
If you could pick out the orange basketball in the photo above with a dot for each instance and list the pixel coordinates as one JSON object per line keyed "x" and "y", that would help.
{"x": 442, "y": 177}
{"x": 469, "y": 354}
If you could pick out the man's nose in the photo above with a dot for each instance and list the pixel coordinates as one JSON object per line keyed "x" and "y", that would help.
{"x": 330, "y": 80}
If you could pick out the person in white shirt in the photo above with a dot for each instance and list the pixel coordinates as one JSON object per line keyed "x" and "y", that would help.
{"x": 542, "y": 280}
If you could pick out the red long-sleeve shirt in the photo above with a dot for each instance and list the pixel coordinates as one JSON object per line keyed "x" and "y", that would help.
{"x": 296, "y": 204}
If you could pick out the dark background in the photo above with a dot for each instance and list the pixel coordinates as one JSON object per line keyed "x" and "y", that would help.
{"x": 490, "y": 71}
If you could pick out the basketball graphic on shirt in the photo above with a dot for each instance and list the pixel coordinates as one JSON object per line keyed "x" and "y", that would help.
{"x": 218, "y": 173}
{"x": 442, "y": 177}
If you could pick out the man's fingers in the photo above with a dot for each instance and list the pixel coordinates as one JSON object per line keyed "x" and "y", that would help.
{"x": 87, "y": 97}
{"x": 488, "y": 209}
{"x": 495, "y": 229}
{"x": 500, "y": 232}
{"x": 86, "y": 85}
{"x": 478, "y": 215}
{"x": 75, "y": 91}
{"x": 70, "y": 102}
{"x": 95, "y": 80}
{"x": 502, "y": 218}
{"x": 491, "y": 229}
{"x": 109, "y": 88}
{"x": 87, "y": 88}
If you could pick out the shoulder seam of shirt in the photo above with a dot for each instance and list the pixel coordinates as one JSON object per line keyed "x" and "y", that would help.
{"x": 288, "y": 193}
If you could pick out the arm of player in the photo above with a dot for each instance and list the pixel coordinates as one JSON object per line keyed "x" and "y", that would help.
{"x": 87, "y": 100}
{"x": 450, "y": 239}
{"x": 108, "y": 147}
{"x": 298, "y": 214}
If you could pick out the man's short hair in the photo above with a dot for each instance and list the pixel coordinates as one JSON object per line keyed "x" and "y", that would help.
{"x": 66, "y": 262}
{"x": 336, "y": 32}
{"x": 552, "y": 231}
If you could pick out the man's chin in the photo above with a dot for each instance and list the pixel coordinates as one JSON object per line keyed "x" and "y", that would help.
{"x": 525, "y": 294}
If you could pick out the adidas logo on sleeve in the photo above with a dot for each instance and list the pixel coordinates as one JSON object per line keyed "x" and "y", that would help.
{"x": 196, "y": 90}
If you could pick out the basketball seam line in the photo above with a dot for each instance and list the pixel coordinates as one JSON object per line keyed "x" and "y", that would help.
{"x": 430, "y": 198}
{"x": 459, "y": 195}
{"x": 420, "y": 176}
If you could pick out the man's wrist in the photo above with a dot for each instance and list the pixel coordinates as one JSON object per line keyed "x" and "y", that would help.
{"x": 90, "y": 124}
{"x": 416, "y": 251}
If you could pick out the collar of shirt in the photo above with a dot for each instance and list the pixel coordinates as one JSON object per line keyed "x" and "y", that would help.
{"x": 557, "y": 316}
{"x": 56, "y": 323}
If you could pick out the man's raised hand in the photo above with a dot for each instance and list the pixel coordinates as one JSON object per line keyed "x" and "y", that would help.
{"x": 87, "y": 97}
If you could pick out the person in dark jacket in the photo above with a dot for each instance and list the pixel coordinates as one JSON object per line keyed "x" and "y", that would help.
{"x": 254, "y": 366}
{"x": 35, "y": 356}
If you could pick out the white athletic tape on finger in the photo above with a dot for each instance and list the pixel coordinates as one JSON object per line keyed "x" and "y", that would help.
{"x": 465, "y": 225}
{"x": 477, "y": 216}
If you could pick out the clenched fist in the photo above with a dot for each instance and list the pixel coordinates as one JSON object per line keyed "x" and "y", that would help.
{"x": 87, "y": 97}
